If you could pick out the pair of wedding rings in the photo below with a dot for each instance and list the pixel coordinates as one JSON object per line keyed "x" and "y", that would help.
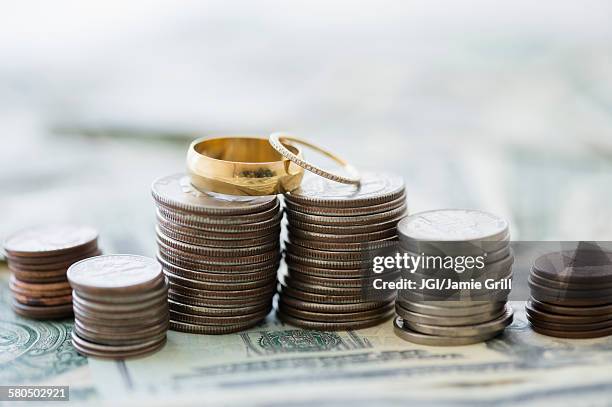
{"x": 257, "y": 166}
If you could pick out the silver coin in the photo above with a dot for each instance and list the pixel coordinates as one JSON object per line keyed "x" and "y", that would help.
{"x": 212, "y": 220}
{"x": 216, "y": 251}
{"x": 451, "y": 309}
{"x": 374, "y": 188}
{"x": 292, "y": 207}
{"x": 344, "y": 247}
{"x": 372, "y": 219}
{"x": 496, "y": 325}
{"x": 404, "y": 332}
{"x": 414, "y": 317}
{"x": 177, "y": 192}
{"x": 203, "y": 241}
{"x": 261, "y": 226}
{"x": 346, "y": 230}
{"x": 224, "y": 237}
{"x": 453, "y": 225}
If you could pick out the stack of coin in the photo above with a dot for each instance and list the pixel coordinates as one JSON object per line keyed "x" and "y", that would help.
{"x": 571, "y": 294}
{"x": 120, "y": 306}
{"x": 38, "y": 258}
{"x": 220, "y": 253}
{"x": 446, "y": 318}
{"x": 331, "y": 229}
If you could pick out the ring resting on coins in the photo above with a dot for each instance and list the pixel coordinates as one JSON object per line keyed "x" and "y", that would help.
{"x": 242, "y": 166}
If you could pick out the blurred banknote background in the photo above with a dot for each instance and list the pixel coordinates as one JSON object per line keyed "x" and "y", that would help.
{"x": 504, "y": 106}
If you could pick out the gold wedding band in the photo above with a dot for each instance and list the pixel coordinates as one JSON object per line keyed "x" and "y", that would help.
{"x": 242, "y": 166}
{"x": 279, "y": 142}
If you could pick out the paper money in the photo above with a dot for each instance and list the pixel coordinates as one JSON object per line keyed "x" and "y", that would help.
{"x": 275, "y": 363}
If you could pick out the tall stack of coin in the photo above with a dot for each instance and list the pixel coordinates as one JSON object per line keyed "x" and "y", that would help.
{"x": 120, "y": 306}
{"x": 38, "y": 258}
{"x": 571, "y": 294}
{"x": 331, "y": 227}
{"x": 220, "y": 253}
{"x": 440, "y": 318}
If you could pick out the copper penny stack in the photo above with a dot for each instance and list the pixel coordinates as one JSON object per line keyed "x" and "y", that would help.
{"x": 220, "y": 254}
{"x": 120, "y": 306}
{"x": 571, "y": 294}
{"x": 38, "y": 258}
{"x": 331, "y": 227}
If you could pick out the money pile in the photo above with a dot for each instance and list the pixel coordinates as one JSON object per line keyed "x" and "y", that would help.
{"x": 38, "y": 258}
{"x": 571, "y": 294}
{"x": 120, "y": 307}
{"x": 450, "y": 317}
{"x": 220, "y": 253}
{"x": 331, "y": 229}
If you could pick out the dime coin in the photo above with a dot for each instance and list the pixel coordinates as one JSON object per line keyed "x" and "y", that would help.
{"x": 339, "y": 211}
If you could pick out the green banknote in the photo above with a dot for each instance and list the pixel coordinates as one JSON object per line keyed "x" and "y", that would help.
{"x": 276, "y": 364}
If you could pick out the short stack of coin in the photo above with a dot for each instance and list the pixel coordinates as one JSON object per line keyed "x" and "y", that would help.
{"x": 38, "y": 258}
{"x": 220, "y": 253}
{"x": 440, "y": 319}
{"x": 571, "y": 294}
{"x": 331, "y": 228}
{"x": 120, "y": 306}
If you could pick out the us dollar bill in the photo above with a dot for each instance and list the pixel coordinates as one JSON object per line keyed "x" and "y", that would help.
{"x": 275, "y": 363}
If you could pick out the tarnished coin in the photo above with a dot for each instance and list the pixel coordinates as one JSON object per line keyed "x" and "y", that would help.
{"x": 344, "y": 247}
{"x": 176, "y": 191}
{"x": 562, "y": 286}
{"x": 115, "y": 339}
{"x": 605, "y": 309}
{"x": 264, "y": 225}
{"x": 218, "y": 312}
{"x": 157, "y": 291}
{"x": 219, "y": 268}
{"x": 125, "y": 324}
{"x": 321, "y": 289}
{"x": 221, "y": 302}
{"x": 292, "y": 259}
{"x": 325, "y": 298}
{"x": 363, "y": 220}
{"x": 331, "y": 308}
{"x": 222, "y": 236}
{"x": 175, "y": 284}
{"x": 299, "y": 251}
{"x": 46, "y": 312}
{"x": 218, "y": 320}
{"x": 404, "y": 332}
{"x": 358, "y": 283}
{"x": 373, "y": 189}
{"x": 53, "y": 262}
{"x": 201, "y": 239}
{"x": 333, "y": 317}
{"x": 206, "y": 219}
{"x": 353, "y": 238}
{"x": 419, "y": 318}
{"x": 42, "y": 301}
{"x": 270, "y": 254}
{"x": 340, "y": 211}
{"x": 217, "y": 251}
{"x": 116, "y": 273}
{"x": 565, "y": 319}
{"x": 115, "y": 308}
{"x": 485, "y": 328}
{"x": 573, "y": 327}
{"x": 328, "y": 273}
{"x": 107, "y": 351}
{"x": 346, "y": 230}
{"x": 210, "y": 329}
{"x": 237, "y": 277}
{"x": 453, "y": 225}
{"x": 93, "y": 313}
{"x": 212, "y": 286}
{"x": 450, "y": 309}
{"x": 50, "y": 240}
{"x": 334, "y": 326}
{"x": 591, "y": 267}
{"x": 570, "y": 297}
{"x": 573, "y": 334}
{"x": 36, "y": 277}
